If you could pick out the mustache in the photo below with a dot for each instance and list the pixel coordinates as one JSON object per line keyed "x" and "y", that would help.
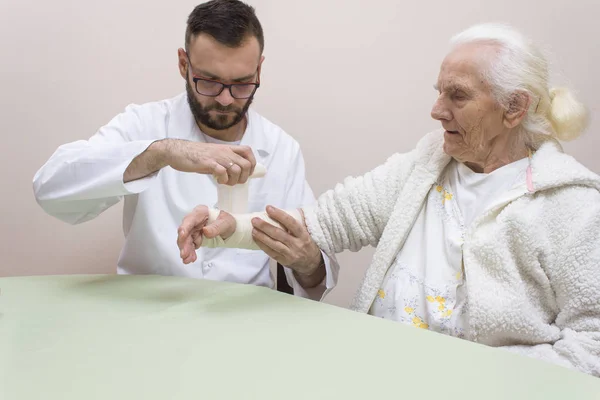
{"x": 218, "y": 107}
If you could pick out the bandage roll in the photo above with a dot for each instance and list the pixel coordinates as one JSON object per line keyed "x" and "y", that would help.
{"x": 234, "y": 199}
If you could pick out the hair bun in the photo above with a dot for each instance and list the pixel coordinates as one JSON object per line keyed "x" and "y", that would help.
{"x": 568, "y": 116}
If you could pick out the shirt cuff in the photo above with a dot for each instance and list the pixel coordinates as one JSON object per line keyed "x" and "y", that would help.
{"x": 323, "y": 288}
{"x": 139, "y": 185}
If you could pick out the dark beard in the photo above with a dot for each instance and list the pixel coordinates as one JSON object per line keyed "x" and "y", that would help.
{"x": 219, "y": 123}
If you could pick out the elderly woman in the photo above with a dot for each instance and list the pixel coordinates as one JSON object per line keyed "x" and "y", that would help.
{"x": 486, "y": 231}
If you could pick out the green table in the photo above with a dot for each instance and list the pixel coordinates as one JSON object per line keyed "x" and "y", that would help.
{"x": 151, "y": 337}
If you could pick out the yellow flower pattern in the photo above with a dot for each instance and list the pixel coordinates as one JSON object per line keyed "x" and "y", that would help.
{"x": 418, "y": 323}
{"x": 416, "y": 320}
{"x": 446, "y": 195}
{"x": 411, "y": 293}
{"x": 441, "y": 305}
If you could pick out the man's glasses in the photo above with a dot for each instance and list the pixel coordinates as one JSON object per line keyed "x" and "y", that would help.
{"x": 213, "y": 88}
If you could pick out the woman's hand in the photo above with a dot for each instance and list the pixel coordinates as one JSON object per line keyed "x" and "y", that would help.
{"x": 292, "y": 246}
{"x": 195, "y": 225}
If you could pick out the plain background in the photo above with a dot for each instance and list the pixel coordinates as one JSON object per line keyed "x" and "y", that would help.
{"x": 351, "y": 80}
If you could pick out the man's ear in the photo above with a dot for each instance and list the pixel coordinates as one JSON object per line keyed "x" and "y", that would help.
{"x": 183, "y": 63}
{"x": 517, "y": 108}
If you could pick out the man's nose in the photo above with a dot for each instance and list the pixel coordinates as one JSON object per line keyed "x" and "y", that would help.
{"x": 225, "y": 98}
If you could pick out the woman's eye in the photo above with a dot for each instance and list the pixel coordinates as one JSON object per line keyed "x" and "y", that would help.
{"x": 459, "y": 96}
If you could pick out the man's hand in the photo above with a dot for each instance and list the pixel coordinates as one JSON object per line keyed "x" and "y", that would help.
{"x": 228, "y": 164}
{"x": 194, "y": 225}
{"x": 292, "y": 247}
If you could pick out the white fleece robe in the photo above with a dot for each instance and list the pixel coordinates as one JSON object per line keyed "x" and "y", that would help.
{"x": 531, "y": 259}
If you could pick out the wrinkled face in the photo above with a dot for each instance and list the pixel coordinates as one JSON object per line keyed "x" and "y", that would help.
{"x": 216, "y": 63}
{"x": 469, "y": 113}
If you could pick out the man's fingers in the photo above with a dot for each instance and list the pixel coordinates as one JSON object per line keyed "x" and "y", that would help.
{"x": 246, "y": 153}
{"x": 220, "y": 173}
{"x": 233, "y": 165}
{"x": 246, "y": 170}
{"x": 244, "y": 165}
{"x": 234, "y": 173}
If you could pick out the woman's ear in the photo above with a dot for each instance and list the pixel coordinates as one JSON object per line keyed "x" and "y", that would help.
{"x": 517, "y": 108}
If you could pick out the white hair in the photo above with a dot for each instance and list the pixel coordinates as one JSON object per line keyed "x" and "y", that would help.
{"x": 521, "y": 66}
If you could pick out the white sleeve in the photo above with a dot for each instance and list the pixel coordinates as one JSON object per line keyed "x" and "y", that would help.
{"x": 355, "y": 213}
{"x": 322, "y": 289}
{"x": 84, "y": 178}
{"x": 299, "y": 194}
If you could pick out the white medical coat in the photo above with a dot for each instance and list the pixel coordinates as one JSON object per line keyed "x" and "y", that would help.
{"x": 84, "y": 178}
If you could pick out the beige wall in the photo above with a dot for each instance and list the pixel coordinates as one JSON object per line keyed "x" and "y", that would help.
{"x": 350, "y": 79}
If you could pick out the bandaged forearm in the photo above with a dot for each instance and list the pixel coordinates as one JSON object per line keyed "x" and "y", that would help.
{"x": 242, "y": 237}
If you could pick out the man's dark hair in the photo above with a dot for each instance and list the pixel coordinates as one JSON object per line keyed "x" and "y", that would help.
{"x": 229, "y": 22}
